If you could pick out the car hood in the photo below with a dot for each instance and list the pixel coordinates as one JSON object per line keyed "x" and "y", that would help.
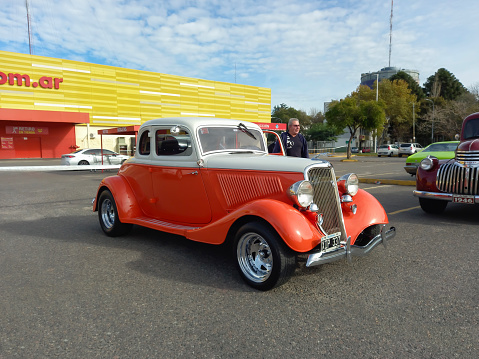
{"x": 469, "y": 145}
{"x": 260, "y": 162}
{"x": 441, "y": 155}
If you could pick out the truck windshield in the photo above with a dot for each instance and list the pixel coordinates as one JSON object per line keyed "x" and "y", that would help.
{"x": 471, "y": 129}
{"x": 216, "y": 138}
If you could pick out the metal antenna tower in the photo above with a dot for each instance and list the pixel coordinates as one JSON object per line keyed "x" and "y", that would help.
{"x": 30, "y": 37}
{"x": 390, "y": 31}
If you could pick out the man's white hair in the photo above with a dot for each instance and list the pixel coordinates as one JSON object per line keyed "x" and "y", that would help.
{"x": 291, "y": 120}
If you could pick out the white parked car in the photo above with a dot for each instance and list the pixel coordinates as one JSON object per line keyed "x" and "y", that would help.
{"x": 92, "y": 156}
{"x": 388, "y": 150}
{"x": 409, "y": 149}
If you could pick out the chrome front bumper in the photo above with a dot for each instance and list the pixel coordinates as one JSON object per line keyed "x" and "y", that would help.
{"x": 347, "y": 250}
{"x": 411, "y": 169}
{"x": 441, "y": 196}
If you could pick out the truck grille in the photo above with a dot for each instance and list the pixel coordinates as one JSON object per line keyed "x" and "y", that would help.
{"x": 326, "y": 197}
{"x": 466, "y": 156}
{"x": 452, "y": 178}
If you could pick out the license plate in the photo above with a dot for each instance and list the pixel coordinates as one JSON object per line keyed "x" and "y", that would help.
{"x": 463, "y": 199}
{"x": 330, "y": 241}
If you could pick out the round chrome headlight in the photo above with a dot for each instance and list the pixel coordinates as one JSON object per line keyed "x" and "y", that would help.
{"x": 351, "y": 183}
{"x": 301, "y": 193}
{"x": 428, "y": 163}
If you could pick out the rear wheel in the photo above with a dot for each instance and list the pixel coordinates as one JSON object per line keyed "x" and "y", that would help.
{"x": 400, "y": 155}
{"x": 379, "y": 155}
{"x": 108, "y": 216}
{"x": 432, "y": 206}
{"x": 83, "y": 163}
{"x": 264, "y": 261}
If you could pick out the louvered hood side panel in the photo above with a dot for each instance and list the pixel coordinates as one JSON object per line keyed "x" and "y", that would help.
{"x": 242, "y": 188}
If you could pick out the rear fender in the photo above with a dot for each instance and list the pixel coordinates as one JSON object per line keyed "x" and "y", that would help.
{"x": 125, "y": 200}
{"x": 293, "y": 227}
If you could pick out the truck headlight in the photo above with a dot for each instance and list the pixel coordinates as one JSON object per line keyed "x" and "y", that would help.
{"x": 428, "y": 163}
{"x": 349, "y": 183}
{"x": 301, "y": 193}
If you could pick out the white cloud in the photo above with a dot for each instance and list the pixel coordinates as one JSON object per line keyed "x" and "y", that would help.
{"x": 306, "y": 51}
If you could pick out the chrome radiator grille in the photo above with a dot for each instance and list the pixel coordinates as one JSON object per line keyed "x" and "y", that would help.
{"x": 452, "y": 178}
{"x": 465, "y": 156}
{"x": 326, "y": 198}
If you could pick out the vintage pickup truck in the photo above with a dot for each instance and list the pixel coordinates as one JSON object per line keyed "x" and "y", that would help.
{"x": 213, "y": 181}
{"x": 439, "y": 182}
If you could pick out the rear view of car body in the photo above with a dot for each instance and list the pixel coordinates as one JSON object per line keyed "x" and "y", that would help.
{"x": 409, "y": 149}
{"x": 387, "y": 150}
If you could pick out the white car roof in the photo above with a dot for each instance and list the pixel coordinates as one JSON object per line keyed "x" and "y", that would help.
{"x": 195, "y": 122}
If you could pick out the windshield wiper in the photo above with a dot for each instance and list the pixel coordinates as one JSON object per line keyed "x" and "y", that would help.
{"x": 243, "y": 128}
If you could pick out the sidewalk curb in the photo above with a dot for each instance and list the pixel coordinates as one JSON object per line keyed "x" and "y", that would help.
{"x": 387, "y": 181}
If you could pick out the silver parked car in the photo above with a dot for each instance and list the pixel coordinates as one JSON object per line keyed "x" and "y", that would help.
{"x": 388, "y": 150}
{"x": 409, "y": 149}
{"x": 92, "y": 156}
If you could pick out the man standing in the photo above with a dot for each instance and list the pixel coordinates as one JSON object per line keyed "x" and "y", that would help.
{"x": 293, "y": 142}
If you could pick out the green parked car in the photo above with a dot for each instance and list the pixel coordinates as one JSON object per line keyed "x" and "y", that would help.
{"x": 441, "y": 150}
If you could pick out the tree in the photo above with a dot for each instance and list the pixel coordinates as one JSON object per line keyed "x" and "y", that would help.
{"x": 398, "y": 100}
{"x": 320, "y": 132}
{"x": 444, "y": 84}
{"x": 411, "y": 83}
{"x": 282, "y": 113}
{"x": 448, "y": 116}
{"x": 354, "y": 113}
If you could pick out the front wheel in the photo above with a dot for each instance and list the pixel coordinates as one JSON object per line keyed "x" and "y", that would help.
{"x": 432, "y": 206}
{"x": 108, "y": 216}
{"x": 264, "y": 261}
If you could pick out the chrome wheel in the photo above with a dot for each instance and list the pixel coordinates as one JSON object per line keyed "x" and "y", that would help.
{"x": 107, "y": 213}
{"x": 108, "y": 216}
{"x": 254, "y": 257}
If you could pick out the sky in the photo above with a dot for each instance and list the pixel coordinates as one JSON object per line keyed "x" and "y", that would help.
{"x": 307, "y": 52}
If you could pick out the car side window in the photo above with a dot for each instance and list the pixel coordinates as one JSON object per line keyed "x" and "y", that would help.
{"x": 144, "y": 144}
{"x": 89, "y": 152}
{"x": 172, "y": 144}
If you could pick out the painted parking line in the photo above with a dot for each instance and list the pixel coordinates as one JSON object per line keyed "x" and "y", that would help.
{"x": 404, "y": 210}
{"x": 376, "y": 187}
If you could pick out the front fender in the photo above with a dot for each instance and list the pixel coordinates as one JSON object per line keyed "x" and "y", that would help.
{"x": 125, "y": 200}
{"x": 292, "y": 226}
{"x": 369, "y": 212}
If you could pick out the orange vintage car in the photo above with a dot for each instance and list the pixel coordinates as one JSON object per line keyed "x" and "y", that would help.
{"x": 213, "y": 181}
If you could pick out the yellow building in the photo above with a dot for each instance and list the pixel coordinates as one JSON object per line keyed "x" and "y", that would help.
{"x": 50, "y": 106}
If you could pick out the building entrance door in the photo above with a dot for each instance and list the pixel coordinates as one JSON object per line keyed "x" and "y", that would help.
{"x": 27, "y": 147}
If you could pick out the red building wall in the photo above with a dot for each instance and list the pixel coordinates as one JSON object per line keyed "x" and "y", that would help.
{"x": 37, "y": 134}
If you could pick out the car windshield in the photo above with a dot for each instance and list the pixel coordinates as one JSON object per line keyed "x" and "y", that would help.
{"x": 406, "y": 144}
{"x": 439, "y": 147}
{"x": 471, "y": 129}
{"x": 217, "y": 138}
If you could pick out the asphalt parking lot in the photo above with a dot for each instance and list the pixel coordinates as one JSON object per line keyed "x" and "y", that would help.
{"x": 68, "y": 291}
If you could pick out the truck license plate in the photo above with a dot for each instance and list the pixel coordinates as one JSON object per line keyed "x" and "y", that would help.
{"x": 463, "y": 199}
{"x": 330, "y": 241}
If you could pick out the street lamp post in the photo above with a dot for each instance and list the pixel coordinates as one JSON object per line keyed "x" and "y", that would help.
{"x": 432, "y": 126}
{"x": 413, "y": 124}
{"x": 280, "y": 120}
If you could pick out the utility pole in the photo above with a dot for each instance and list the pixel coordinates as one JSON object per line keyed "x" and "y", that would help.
{"x": 30, "y": 37}
{"x": 390, "y": 31}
